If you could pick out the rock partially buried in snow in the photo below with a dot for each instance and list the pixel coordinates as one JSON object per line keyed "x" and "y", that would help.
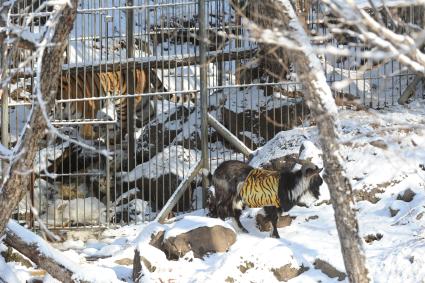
{"x": 287, "y": 272}
{"x": 379, "y": 143}
{"x": 308, "y": 151}
{"x": 393, "y": 211}
{"x": 407, "y": 195}
{"x": 201, "y": 241}
{"x": 281, "y": 163}
{"x": 373, "y": 237}
{"x": 201, "y": 235}
{"x": 328, "y": 269}
{"x": 264, "y": 224}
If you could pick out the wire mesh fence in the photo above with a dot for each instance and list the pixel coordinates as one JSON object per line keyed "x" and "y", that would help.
{"x": 131, "y": 86}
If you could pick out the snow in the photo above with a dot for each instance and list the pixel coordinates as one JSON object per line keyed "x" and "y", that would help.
{"x": 7, "y": 273}
{"x": 189, "y": 223}
{"x": 83, "y": 211}
{"x": 388, "y": 3}
{"x": 390, "y": 170}
{"x": 384, "y": 172}
{"x": 161, "y": 164}
{"x": 81, "y": 272}
{"x": 47, "y": 155}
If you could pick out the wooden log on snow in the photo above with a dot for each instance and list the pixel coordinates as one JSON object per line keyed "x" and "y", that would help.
{"x": 39, "y": 252}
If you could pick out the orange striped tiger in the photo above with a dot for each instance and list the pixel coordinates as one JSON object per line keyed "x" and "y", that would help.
{"x": 89, "y": 85}
{"x": 261, "y": 188}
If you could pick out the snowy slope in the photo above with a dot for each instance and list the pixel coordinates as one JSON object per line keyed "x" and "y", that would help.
{"x": 384, "y": 154}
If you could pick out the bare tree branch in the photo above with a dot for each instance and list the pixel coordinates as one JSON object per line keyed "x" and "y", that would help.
{"x": 48, "y": 67}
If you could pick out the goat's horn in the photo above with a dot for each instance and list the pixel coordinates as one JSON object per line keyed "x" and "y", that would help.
{"x": 299, "y": 161}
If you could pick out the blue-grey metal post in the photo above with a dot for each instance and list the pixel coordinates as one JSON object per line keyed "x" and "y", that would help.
{"x": 204, "y": 94}
{"x": 131, "y": 84}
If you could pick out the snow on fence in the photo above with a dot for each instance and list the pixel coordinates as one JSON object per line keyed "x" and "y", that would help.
{"x": 158, "y": 78}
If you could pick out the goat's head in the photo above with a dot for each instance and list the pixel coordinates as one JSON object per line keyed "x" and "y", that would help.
{"x": 313, "y": 181}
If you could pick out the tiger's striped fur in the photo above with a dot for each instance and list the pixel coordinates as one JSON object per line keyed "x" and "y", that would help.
{"x": 99, "y": 84}
{"x": 261, "y": 188}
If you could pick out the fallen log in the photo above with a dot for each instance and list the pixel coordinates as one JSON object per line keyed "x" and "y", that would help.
{"x": 41, "y": 253}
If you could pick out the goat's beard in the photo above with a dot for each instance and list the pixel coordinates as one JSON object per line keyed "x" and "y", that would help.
{"x": 307, "y": 199}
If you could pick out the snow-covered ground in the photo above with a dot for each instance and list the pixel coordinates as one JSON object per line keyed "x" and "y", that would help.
{"x": 384, "y": 155}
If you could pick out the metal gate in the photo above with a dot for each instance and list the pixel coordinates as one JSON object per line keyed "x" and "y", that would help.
{"x": 138, "y": 81}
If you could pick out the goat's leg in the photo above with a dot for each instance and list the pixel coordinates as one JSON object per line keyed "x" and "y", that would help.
{"x": 237, "y": 206}
{"x": 271, "y": 214}
{"x": 236, "y": 216}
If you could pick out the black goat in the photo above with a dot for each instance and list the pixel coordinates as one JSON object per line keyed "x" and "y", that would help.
{"x": 238, "y": 184}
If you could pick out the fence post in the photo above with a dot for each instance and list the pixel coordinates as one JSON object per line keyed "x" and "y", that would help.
{"x": 131, "y": 82}
{"x": 204, "y": 95}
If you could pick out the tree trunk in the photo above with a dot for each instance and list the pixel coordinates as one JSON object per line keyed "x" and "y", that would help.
{"x": 14, "y": 187}
{"x": 39, "y": 252}
{"x": 319, "y": 98}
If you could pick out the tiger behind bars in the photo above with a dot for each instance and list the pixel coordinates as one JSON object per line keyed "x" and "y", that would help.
{"x": 97, "y": 84}
{"x": 237, "y": 184}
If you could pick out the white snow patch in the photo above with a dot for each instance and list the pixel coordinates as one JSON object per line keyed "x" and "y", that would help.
{"x": 188, "y": 223}
{"x": 161, "y": 164}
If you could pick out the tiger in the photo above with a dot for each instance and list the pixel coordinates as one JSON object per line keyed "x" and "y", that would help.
{"x": 97, "y": 84}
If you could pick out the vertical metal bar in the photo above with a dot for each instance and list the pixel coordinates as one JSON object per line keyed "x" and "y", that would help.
{"x": 130, "y": 90}
{"x": 108, "y": 19}
{"x": 204, "y": 94}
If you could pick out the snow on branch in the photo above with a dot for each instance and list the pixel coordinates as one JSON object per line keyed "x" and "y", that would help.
{"x": 53, "y": 261}
{"x": 405, "y": 48}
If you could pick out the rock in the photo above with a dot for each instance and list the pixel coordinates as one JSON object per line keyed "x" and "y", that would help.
{"x": 312, "y": 217}
{"x": 368, "y": 195}
{"x": 160, "y": 132}
{"x": 200, "y": 241}
{"x": 407, "y": 195}
{"x": 281, "y": 163}
{"x": 373, "y": 237}
{"x": 157, "y": 240}
{"x": 266, "y": 123}
{"x": 308, "y": 151}
{"x": 265, "y": 225}
{"x": 159, "y": 177}
{"x": 246, "y": 266}
{"x": 393, "y": 212}
{"x": 288, "y": 272}
{"x": 328, "y": 269}
{"x": 124, "y": 261}
{"x": 379, "y": 143}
